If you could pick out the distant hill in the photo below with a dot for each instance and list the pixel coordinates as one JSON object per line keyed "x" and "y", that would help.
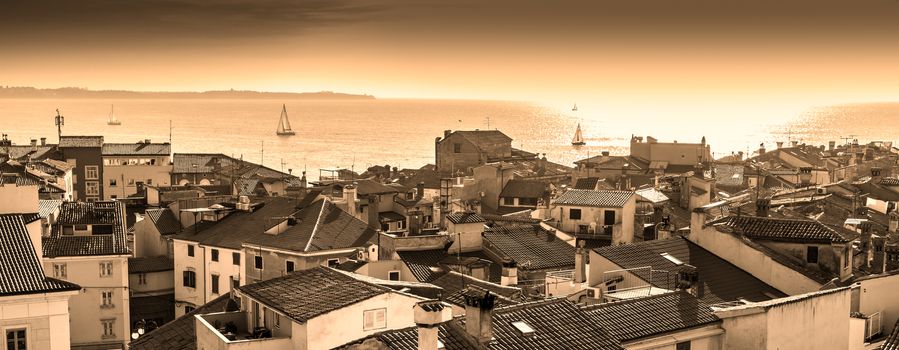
{"x": 72, "y": 92}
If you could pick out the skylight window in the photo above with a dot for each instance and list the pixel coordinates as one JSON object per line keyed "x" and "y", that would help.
{"x": 672, "y": 259}
{"x": 522, "y": 327}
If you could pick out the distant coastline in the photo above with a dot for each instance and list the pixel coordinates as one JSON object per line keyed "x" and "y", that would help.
{"x": 74, "y": 92}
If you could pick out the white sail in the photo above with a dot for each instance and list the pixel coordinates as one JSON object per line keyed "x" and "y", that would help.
{"x": 578, "y": 138}
{"x": 284, "y": 123}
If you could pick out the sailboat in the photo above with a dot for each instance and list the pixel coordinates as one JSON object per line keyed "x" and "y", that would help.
{"x": 574, "y": 109}
{"x": 578, "y": 139}
{"x": 112, "y": 119}
{"x": 284, "y": 124}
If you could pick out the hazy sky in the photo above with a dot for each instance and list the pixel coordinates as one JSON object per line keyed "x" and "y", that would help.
{"x": 625, "y": 53}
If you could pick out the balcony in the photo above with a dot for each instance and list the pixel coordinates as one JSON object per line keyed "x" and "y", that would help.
{"x": 229, "y": 330}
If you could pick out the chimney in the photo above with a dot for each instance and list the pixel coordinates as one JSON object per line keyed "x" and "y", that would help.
{"x": 664, "y": 228}
{"x": 580, "y": 263}
{"x": 43, "y": 141}
{"x": 446, "y": 133}
{"x": 349, "y": 196}
{"x": 780, "y": 144}
{"x": 509, "y": 276}
{"x": 875, "y": 172}
{"x": 419, "y": 191}
{"x": 605, "y": 153}
{"x": 374, "y": 221}
{"x": 34, "y": 144}
{"x": 740, "y": 154}
{"x": 761, "y": 207}
{"x": 428, "y": 316}
{"x": 761, "y": 148}
{"x": 415, "y": 218}
{"x": 243, "y": 203}
{"x": 805, "y": 176}
{"x": 688, "y": 280}
{"x": 479, "y": 315}
{"x": 794, "y": 143}
{"x": 831, "y": 145}
{"x": 894, "y": 222}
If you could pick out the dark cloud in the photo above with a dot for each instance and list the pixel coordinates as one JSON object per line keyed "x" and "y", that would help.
{"x": 173, "y": 20}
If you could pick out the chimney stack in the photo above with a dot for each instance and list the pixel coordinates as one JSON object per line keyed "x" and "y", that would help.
{"x": 580, "y": 263}
{"x": 479, "y": 315}
{"x": 509, "y": 273}
{"x": 664, "y": 228}
{"x": 374, "y": 220}
{"x": 794, "y": 143}
{"x": 780, "y": 144}
{"x": 419, "y": 191}
{"x": 43, "y": 141}
{"x": 761, "y": 148}
{"x": 349, "y": 196}
{"x": 894, "y": 222}
{"x": 875, "y": 172}
{"x": 428, "y": 316}
{"x": 761, "y": 207}
{"x": 831, "y": 145}
{"x": 446, "y": 133}
{"x": 415, "y": 221}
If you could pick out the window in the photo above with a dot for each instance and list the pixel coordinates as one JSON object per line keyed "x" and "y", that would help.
{"x": 277, "y": 319}
{"x": 457, "y": 148}
{"x": 257, "y": 261}
{"x": 108, "y": 328}
{"x": 190, "y": 250}
{"x": 685, "y": 345}
{"x": 113, "y": 197}
{"x": 215, "y": 255}
{"x": 16, "y": 339}
{"x": 113, "y": 183}
{"x": 846, "y": 257}
{"x": 289, "y": 266}
{"x": 527, "y": 201}
{"x": 215, "y": 284}
{"x": 333, "y": 262}
{"x": 393, "y": 275}
{"x": 508, "y": 201}
{"x": 374, "y": 319}
{"x": 91, "y": 172}
{"x": 93, "y": 199}
{"x": 574, "y": 214}
{"x": 106, "y": 299}
{"x": 188, "y": 309}
{"x": 142, "y": 278}
{"x": 235, "y": 258}
{"x": 130, "y": 182}
{"x": 59, "y": 271}
{"x": 811, "y": 255}
{"x": 92, "y": 188}
{"x": 190, "y": 279}
{"x": 106, "y": 269}
{"x": 608, "y": 217}
{"x": 149, "y": 181}
{"x": 235, "y": 282}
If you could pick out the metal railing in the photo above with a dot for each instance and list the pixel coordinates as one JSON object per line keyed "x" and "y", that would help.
{"x": 873, "y": 325}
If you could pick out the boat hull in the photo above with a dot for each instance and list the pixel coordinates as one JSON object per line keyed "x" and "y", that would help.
{"x": 578, "y": 143}
{"x": 114, "y": 123}
{"x": 286, "y": 133}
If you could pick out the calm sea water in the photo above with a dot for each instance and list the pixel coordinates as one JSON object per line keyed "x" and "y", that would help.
{"x": 358, "y": 134}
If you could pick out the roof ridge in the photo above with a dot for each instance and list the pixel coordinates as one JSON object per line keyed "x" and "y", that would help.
{"x": 635, "y": 300}
{"x": 317, "y": 222}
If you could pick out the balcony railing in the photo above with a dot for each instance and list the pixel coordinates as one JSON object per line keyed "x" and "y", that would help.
{"x": 226, "y": 329}
{"x": 873, "y": 325}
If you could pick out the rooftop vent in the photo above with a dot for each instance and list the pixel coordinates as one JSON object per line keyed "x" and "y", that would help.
{"x": 523, "y": 327}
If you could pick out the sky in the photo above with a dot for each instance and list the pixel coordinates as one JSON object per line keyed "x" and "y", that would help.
{"x": 641, "y": 55}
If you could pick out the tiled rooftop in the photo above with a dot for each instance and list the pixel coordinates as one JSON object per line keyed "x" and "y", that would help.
{"x": 76, "y": 213}
{"x": 465, "y": 218}
{"x": 303, "y": 295}
{"x": 150, "y": 264}
{"x": 81, "y": 141}
{"x": 179, "y": 334}
{"x": 651, "y": 316}
{"x": 524, "y": 189}
{"x": 590, "y": 198}
{"x": 21, "y": 271}
{"x": 232, "y": 230}
{"x": 531, "y": 246}
{"x": 165, "y": 220}
{"x": 136, "y": 149}
{"x": 320, "y": 226}
{"x": 48, "y": 206}
{"x": 720, "y": 280}
{"x": 789, "y": 230}
{"x": 892, "y": 341}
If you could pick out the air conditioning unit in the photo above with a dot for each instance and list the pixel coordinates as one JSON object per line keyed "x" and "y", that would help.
{"x": 821, "y": 190}
{"x": 594, "y": 293}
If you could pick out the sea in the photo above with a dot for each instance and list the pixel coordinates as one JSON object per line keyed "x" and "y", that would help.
{"x": 357, "y": 134}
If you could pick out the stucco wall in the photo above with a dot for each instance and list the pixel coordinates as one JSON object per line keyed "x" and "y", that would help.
{"x": 322, "y": 334}
{"x": 85, "y": 310}
{"x": 158, "y": 174}
{"x": 880, "y": 295}
{"x": 18, "y": 199}
{"x": 193, "y": 296}
{"x": 45, "y": 318}
{"x": 821, "y": 322}
{"x": 747, "y": 332}
{"x": 753, "y": 261}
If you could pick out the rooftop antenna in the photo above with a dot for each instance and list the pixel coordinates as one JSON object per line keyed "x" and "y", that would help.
{"x": 60, "y": 121}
